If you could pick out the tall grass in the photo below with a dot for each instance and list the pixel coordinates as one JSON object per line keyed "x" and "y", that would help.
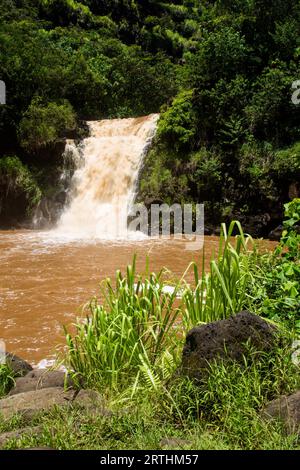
{"x": 221, "y": 291}
{"x": 130, "y": 336}
{"x": 232, "y": 397}
{"x": 134, "y": 335}
{"x": 6, "y": 379}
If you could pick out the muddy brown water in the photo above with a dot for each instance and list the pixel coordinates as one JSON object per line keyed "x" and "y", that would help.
{"x": 44, "y": 282}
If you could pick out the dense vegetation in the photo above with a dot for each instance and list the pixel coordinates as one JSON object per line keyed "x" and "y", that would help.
{"x": 130, "y": 345}
{"x": 220, "y": 71}
{"x": 133, "y": 334}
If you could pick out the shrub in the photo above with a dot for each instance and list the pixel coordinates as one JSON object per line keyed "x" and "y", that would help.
{"x": 232, "y": 397}
{"x": 6, "y": 379}
{"x": 178, "y": 124}
{"x": 44, "y": 123}
{"x": 220, "y": 292}
{"x": 273, "y": 289}
{"x": 16, "y": 179}
{"x": 129, "y": 338}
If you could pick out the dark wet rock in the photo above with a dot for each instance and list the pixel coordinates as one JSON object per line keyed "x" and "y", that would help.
{"x": 208, "y": 230}
{"x": 225, "y": 339}
{"x": 174, "y": 443}
{"x": 61, "y": 197}
{"x": 29, "y": 404}
{"x": 18, "y": 365}
{"x": 41, "y": 378}
{"x": 287, "y": 409}
{"x": 276, "y": 233}
{"x": 46, "y": 213}
{"x": 217, "y": 231}
{"x": 92, "y": 401}
{"x": 297, "y": 229}
{"x": 255, "y": 225}
{"x": 19, "y": 433}
{"x": 294, "y": 190}
{"x": 149, "y": 201}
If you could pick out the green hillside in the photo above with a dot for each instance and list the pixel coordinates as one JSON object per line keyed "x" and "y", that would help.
{"x": 220, "y": 72}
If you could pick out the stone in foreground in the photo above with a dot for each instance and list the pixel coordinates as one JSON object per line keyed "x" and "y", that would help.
{"x": 92, "y": 402}
{"x": 286, "y": 409}
{"x": 40, "y": 378}
{"x": 33, "y": 402}
{"x": 18, "y": 365}
{"x": 225, "y": 339}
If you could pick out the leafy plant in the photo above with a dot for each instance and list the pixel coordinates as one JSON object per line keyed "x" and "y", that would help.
{"x": 129, "y": 337}
{"x": 6, "y": 379}
{"x": 291, "y": 234}
{"x": 43, "y": 124}
{"x": 232, "y": 396}
{"x": 16, "y": 179}
{"x": 178, "y": 123}
{"x": 274, "y": 288}
{"x": 220, "y": 292}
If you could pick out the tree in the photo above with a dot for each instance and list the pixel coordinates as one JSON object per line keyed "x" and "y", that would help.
{"x": 43, "y": 124}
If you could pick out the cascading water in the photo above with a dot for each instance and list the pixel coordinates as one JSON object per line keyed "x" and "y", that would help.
{"x": 103, "y": 186}
{"x": 50, "y": 208}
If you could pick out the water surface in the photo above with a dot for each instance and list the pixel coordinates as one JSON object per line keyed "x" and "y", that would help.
{"x": 45, "y": 281}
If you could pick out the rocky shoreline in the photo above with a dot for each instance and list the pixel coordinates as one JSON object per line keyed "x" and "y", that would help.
{"x": 37, "y": 391}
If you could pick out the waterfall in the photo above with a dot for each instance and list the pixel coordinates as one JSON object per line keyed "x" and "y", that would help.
{"x": 104, "y": 184}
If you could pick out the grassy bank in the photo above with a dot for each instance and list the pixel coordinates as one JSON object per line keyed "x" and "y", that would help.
{"x": 129, "y": 349}
{"x": 223, "y": 415}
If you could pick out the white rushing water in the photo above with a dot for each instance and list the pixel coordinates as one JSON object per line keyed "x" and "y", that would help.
{"x": 103, "y": 186}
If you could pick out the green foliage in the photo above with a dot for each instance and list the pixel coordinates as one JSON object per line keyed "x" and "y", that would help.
{"x": 224, "y": 51}
{"x": 205, "y": 172}
{"x": 221, "y": 73}
{"x": 232, "y": 396}
{"x": 274, "y": 288}
{"x": 16, "y": 179}
{"x": 128, "y": 339}
{"x": 241, "y": 111}
{"x": 178, "y": 123}
{"x": 44, "y": 124}
{"x": 220, "y": 292}
{"x": 67, "y": 11}
{"x": 6, "y": 379}
{"x": 291, "y": 233}
{"x": 287, "y": 161}
{"x": 131, "y": 336}
{"x": 271, "y": 103}
{"x": 223, "y": 412}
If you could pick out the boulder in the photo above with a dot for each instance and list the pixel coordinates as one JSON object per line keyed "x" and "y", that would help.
{"x": 256, "y": 225}
{"x": 225, "y": 339}
{"x": 276, "y": 233}
{"x": 92, "y": 401}
{"x": 19, "y": 433}
{"x": 287, "y": 409}
{"x": 32, "y": 402}
{"x": 41, "y": 378}
{"x": 18, "y": 365}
